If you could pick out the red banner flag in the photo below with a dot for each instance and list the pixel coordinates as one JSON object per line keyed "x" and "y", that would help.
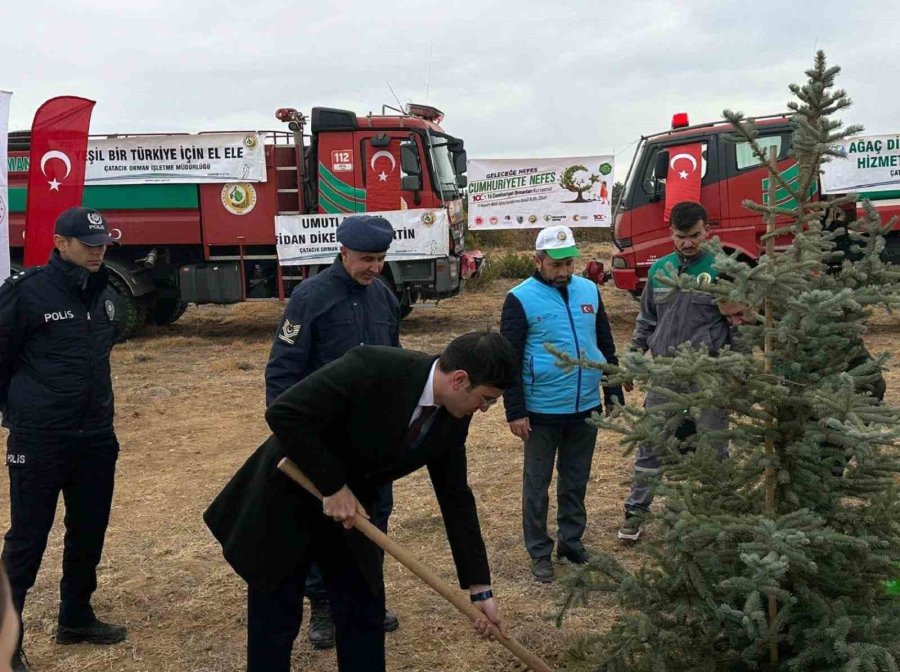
{"x": 383, "y": 179}
{"x": 59, "y": 138}
{"x": 683, "y": 179}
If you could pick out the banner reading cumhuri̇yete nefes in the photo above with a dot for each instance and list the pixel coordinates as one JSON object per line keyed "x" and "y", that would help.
{"x": 534, "y": 193}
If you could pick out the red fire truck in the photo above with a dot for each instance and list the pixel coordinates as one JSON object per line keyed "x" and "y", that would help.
{"x": 730, "y": 175}
{"x": 183, "y": 243}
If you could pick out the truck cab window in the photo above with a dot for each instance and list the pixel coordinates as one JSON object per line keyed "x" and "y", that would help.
{"x": 444, "y": 177}
{"x": 744, "y": 153}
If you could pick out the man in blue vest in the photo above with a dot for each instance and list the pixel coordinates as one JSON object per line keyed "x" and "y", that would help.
{"x": 550, "y": 406}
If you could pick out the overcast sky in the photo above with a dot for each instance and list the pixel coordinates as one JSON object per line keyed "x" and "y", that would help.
{"x": 515, "y": 79}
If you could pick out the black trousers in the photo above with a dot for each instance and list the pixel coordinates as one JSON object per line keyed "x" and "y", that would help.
{"x": 40, "y": 467}
{"x": 274, "y": 614}
{"x": 571, "y": 445}
{"x": 315, "y": 582}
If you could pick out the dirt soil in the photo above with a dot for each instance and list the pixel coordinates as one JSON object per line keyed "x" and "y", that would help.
{"x": 190, "y": 407}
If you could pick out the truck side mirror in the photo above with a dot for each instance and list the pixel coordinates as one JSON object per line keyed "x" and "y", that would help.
{"x": 411, "y": 182}
{"x": 460, "y": 162}
{"x": 661, "y": 170}
{"x": 409, "y": 160}
{"x": 462, "y": 181}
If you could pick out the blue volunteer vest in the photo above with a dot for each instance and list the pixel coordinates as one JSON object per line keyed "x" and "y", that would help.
{"x": 572, "y": 329}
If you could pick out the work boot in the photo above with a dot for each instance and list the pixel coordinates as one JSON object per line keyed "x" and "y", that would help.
{"x": 542, "y": 569}
{"x": 391, "y": 622}
{"x": 577, "y": 556}
{"x": 631, "y": 528}
{"x": 321, "y": 625}
{"x": 97, "y": 632}
{"x": 20, "y": 662}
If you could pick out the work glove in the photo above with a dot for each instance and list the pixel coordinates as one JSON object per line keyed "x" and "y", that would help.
{"x": 611, "y": 395}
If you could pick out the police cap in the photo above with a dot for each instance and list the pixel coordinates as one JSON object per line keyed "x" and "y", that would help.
{"x": 365, "y": 233}
{"x": 85, "y": 224}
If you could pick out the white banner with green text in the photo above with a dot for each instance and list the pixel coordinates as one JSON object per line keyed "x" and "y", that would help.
{"x": 160, "y": 159}
{"x": 870, "y": 164}
{"x": 312, "y": 239}
{"x": 534, "y": 193}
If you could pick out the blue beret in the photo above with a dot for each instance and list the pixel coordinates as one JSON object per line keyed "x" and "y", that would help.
{"x": 366, "y": 233}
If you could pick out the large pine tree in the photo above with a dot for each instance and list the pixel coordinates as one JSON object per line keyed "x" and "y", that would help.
{"x": 776, "y": 558}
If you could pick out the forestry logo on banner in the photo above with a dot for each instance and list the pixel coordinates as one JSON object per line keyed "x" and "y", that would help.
{"x": 239, "y": 198}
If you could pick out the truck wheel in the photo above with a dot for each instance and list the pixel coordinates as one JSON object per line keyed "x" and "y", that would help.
{"x": 166, "y": 311}
{"x": 130, "y": 310}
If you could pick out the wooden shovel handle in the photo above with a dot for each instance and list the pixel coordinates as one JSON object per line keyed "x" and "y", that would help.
{"x": 418, "y": 568}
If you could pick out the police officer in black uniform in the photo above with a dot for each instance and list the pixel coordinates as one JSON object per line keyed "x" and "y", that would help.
{"x": 57, "y": 328}
{"x": 342, "y": 307}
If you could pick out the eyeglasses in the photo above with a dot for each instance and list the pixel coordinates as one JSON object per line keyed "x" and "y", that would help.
{"x": 485, "y": 401}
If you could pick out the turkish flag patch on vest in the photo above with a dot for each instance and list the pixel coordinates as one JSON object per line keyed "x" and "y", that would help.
{"x": 587, "y": 308}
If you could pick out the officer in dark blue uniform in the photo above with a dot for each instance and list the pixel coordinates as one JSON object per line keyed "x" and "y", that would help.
{"x": 57, "y": 328}
{"x": 328, "y": 314}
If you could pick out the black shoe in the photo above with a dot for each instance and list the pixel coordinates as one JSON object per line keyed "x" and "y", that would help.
{"x": 577, "y": 556}
{"x": 542, "y": 569}
{"x": 391, "y": 622}
{"x": 321, "y": 625}
{"x": 97, "y": 632}
{"x": 632, "y": 527}
{"x": 20, "y": 662}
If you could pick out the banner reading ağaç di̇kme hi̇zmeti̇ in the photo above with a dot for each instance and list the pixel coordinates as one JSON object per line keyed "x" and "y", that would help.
{"x": 870, "y": 164}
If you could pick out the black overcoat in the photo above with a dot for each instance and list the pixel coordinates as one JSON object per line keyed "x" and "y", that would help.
{"x": 345, "y": 424}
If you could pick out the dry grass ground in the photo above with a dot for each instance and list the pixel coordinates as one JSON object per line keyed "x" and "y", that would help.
{"x": 190, "y": 410}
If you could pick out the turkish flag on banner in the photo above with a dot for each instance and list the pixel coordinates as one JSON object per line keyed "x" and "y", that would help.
{"x": 383, "y": 178}
{"x": 59, "y": 136}
{"x": 683, "y": 179}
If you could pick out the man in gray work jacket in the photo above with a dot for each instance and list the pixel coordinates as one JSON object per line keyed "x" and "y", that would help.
{"x": 662, "y": 326}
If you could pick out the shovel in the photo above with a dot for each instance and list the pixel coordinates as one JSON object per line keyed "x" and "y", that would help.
{"x": 418, "y": 568}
